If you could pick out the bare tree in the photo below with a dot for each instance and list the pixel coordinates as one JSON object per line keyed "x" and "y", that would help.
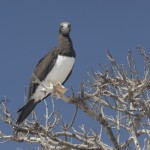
{"x": 115, "y": 90}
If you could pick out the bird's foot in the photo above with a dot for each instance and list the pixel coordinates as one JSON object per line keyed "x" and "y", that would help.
{"x": 56, "y": 89}
{"x": 59, "y": 90}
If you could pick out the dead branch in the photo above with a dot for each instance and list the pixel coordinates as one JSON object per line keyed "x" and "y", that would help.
{"x": 116, "y": 97}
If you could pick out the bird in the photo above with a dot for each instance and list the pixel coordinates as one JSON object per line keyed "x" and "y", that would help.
{"x": 55, "y": 67}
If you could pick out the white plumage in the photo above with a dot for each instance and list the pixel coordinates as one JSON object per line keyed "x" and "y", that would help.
{"x": 59, "y": 73}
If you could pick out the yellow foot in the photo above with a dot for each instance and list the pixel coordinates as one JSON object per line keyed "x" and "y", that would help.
{"x": 60, "y": 88}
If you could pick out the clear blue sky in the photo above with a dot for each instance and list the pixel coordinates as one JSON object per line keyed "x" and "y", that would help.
{"x": 29, "y": 29}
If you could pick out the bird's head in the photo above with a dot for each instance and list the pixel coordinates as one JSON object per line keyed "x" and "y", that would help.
{"x": 65, "y": 28}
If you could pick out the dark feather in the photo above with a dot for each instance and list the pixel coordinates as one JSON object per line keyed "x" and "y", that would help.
{"x": 43, "y": 67}
{"x": 26, "y": 110}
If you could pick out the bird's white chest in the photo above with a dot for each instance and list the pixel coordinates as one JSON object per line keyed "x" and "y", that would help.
{"x": 61, "y": 69}
{"x": 59, "y": 73}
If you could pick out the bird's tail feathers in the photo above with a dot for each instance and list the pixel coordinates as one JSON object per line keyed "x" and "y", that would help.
{"x": 26, "y": 110}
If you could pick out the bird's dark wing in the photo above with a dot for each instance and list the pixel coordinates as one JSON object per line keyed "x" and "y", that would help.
{"x": 43, "y": 67}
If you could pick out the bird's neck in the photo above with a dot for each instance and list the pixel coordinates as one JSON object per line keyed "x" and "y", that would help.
{"x": 64, "y": 42}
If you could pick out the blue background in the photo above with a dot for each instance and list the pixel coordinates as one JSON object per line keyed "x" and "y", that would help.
{"x": 29, "y": 29}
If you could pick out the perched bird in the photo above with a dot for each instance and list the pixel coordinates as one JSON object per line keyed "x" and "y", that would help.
{"x": 55, "y": 66}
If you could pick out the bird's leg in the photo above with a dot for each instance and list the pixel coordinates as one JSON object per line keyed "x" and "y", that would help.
{"x": 60, "y": 88}
{"x": 45, "y": 88}
{"x": 56, "y": 90}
